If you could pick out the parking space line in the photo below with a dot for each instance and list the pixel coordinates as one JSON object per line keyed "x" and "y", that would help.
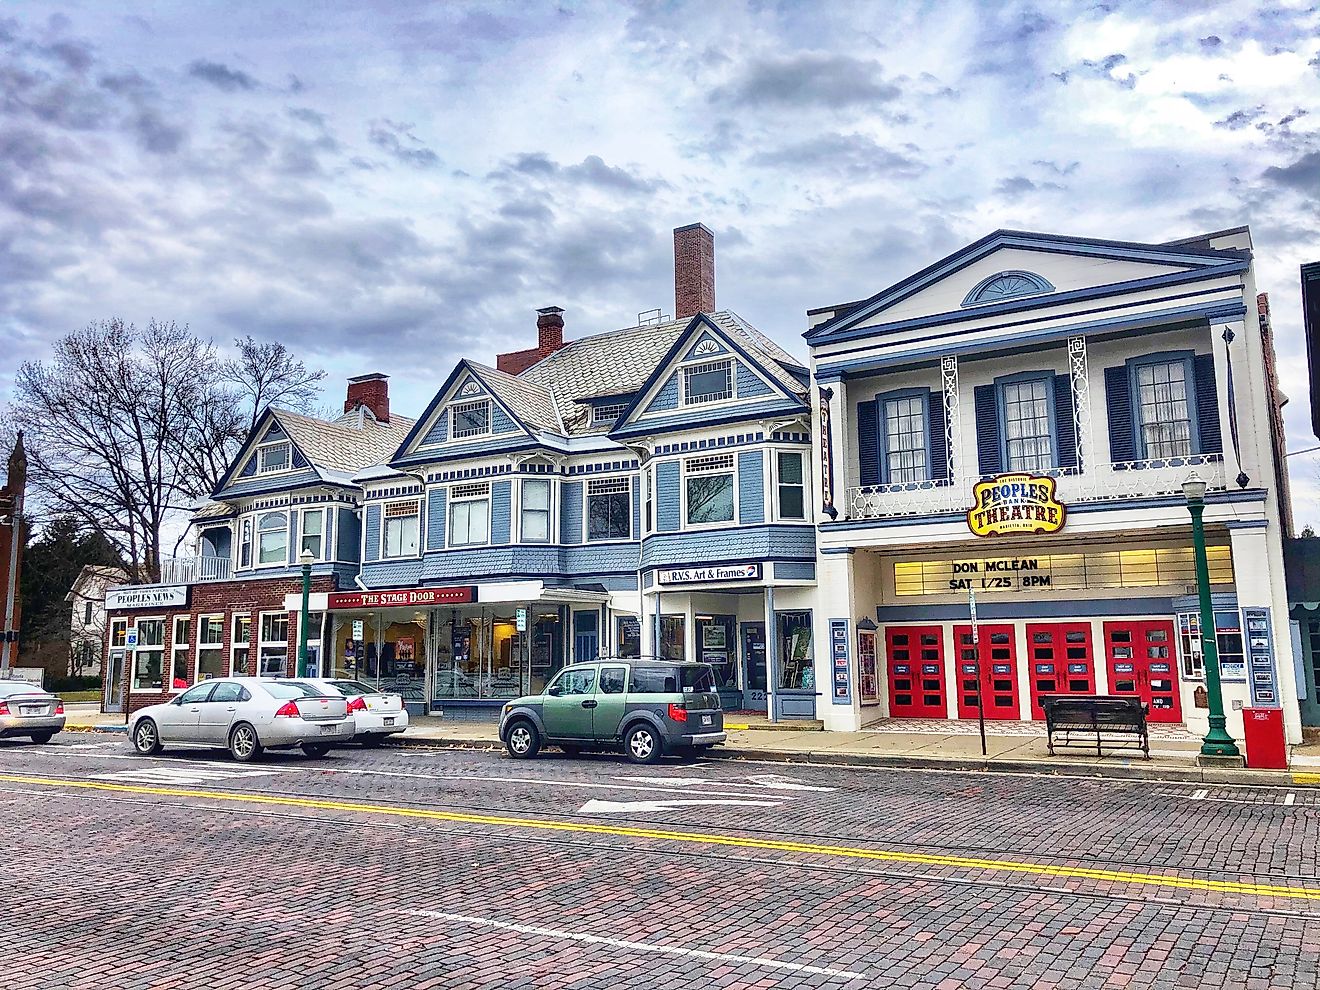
{"x": 619, "y": 943}
{"x": 697, "y": 838}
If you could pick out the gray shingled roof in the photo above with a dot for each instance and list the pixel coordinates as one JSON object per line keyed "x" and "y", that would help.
{"x": 619, "y": 362}
{"x": 529, "y": 400}
{"x": 342, "y": 446}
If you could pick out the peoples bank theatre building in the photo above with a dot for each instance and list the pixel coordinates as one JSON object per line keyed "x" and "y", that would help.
{"x": 1014, "y": 426}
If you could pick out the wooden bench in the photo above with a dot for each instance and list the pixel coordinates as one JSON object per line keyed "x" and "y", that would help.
{"x": 1119, "y": 723}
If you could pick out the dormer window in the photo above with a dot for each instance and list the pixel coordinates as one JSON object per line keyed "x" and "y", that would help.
{"x": 607, "y": 413}
{"x": 272, "y": 457}
{"x": 470, "y": 419}
{"x": 711, "y": 381}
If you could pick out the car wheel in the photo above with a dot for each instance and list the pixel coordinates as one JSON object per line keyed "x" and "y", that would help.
{"x": 41, "y": 738}
{"x": 642, "y": 744}
{"x": 244, "y": 746}
{"x": 316, "y": 749}
{"x": 146, "y": 738}
{"x": 523, "y": 741}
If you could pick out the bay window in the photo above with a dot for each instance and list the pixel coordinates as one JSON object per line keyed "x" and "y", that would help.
{"x": 401, "y": 528}
{"x": 609, "y": 509}
{"x": 469, "y": 515}
{"x": 245, "y": 544}
{"x": 709, "y": 489}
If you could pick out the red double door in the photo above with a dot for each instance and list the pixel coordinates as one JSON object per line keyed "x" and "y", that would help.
{"x": 914, "y": 658}
{"x": 987, "y": 670}
{"x": 1061, "y": 660}
{"x": 1141, "y": 663}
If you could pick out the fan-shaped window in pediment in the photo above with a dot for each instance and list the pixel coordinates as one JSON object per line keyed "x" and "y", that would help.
{"x": 1007, "y": 285}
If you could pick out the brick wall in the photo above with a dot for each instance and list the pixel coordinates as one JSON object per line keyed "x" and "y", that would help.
{"x": 221, "y": 598}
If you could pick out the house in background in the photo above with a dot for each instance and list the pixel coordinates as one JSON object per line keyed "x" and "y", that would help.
{"x": 87, "y": 619}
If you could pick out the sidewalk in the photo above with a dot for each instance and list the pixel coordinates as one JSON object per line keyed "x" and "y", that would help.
{"x": 937, "y": 746}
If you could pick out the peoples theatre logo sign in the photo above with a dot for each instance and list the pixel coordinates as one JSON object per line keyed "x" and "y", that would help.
{"x": 1015, "y": 503}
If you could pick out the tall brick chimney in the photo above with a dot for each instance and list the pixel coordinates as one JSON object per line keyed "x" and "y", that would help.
{"x": 549, "y": 338}
{"x": 694, "y": 270}
{"x": 372, "y": 391}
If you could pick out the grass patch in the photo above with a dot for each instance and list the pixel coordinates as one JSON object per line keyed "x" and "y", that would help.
{"x": 73, "y": 697}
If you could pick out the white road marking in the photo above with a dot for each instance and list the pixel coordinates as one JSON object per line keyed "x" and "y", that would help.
{"x": 757, "y": 781}
{"x": 1199, "y": 795}
{"x": 594, "y": 807}
{"x": 1289, "y": 799}
{"x": 611, "y": 785}
{"x": 182, "y": 775}
{"x": 619, "y": 943}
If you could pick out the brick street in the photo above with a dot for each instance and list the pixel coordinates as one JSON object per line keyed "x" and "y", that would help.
{"x": 429, "y": 868}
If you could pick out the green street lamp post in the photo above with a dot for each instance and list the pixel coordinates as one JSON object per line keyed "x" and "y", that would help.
{"x": 1217, "y": 741}
{"x": 305, "y": 558}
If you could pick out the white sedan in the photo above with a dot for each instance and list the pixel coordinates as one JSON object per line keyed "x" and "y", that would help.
{"x": 245, "y": 715}
{"x": 376, "y": 713}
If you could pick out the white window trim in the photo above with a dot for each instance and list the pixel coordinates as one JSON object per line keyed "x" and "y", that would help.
{"x": 551, "y": 506}
{"x": 452, "y": 500}
{"x": 685, "y": 402}
{"x": 270, "y": 445}
{"x": 113, "y": 624}
{"x": 235, "y": 644}
{"x": 167, "y": 682}
{"x": 219, "y": 647}
{"x": 133, "y": 651}
{"x": 688, "y": 527}
{"x": 586, "y": 513}
{"x": 773, "y": 487}
{"x": 452, "y": 413}
{"x": 263, "y": 644}
{"x": 648, "y": 498}
{"x": 302, "y": 529}
{"x": 257, "y": 565}
{"x": 417, "y": 500}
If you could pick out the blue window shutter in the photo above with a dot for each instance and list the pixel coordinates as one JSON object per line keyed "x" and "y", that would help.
{"x": 937, "y": 442}
{"x": 1207, "y": 406}
{"x": 1065, "y": 423}
{"x": 989, "y": 457}
{"x": 1118, "y": 405}
{"x": 868, "y": 449}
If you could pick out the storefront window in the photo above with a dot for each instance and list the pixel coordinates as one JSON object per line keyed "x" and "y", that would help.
{"x": 179, "y": 652}
{"x": 274, "y": 655}
{"x": 149, "y": 656}
{"x": 715, "y": 646}
{"x": 240, "y": 645}
{"x": 795, "y": 650}
{"x": 628, "y": 637}
{"x": 547, "y": 649}
{"x": 1228, "y": 641}
{"x": 210, "y": 646}
{"x": 673, "y": 637}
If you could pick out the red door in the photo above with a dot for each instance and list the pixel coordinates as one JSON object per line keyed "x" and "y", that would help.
{"x": 1141, "y": 663}
{"x": 1061, "y": 659}
{"x": 998, "y": 674}
{"x": 915, "y": 658}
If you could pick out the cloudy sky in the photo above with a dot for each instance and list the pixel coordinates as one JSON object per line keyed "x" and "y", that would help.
{"x": 389, "y": 186}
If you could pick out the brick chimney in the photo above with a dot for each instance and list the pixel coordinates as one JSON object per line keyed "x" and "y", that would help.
{"x": 694, "y": 270}
{"x": 372, "y": 391}
{"x": 549, "y": 338}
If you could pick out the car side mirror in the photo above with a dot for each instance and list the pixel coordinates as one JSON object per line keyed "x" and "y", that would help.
{"x": 554, "y": 690}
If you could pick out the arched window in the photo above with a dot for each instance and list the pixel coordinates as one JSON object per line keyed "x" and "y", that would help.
{"x": 273, "y": 539}
{"x": 1006, "y": 285}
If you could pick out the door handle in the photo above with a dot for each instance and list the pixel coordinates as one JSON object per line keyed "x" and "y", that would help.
{"x": 231, "y": 708}
{"x": 589, "y": 704}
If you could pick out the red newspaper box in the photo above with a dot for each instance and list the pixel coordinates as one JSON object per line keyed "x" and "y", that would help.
{"x": 1263, "y": 729}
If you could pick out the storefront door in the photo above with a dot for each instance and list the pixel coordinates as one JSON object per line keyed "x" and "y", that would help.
{"x": 1141, "y": 664}
{"x": 997, "y": 685}
{"x": 754, "y": 669}
{"x": 114, "y": 683}
{"x": 1061, "y": 659}
{"x": 585, "y": 636}
{"x": 915, "y": 657}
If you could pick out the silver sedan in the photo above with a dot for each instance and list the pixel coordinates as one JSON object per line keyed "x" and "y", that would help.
{"x": 245, "y": 715}
{"x": 26, "y": 710}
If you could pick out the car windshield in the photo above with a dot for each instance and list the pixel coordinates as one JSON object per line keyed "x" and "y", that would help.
{"x": 351, "y": 689}
{"x": 697, "y": 678}
{"x": 10, "y": 688}
{"x": 286, "y": 690}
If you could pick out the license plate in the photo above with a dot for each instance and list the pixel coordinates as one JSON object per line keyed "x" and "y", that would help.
{"x": 329, "y": 729}
{"x": 708, "y": 720}
{"x": 30, "y": 710}
{"x": 389, "y": 721}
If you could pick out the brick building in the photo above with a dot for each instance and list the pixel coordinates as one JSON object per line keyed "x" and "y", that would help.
{"x": 12, "y": 538}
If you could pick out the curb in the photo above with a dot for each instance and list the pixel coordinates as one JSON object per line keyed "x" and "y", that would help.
{"x": 1084, "y": 771}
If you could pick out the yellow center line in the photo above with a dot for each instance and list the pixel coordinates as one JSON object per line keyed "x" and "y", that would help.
{"x": 699, "y": 838}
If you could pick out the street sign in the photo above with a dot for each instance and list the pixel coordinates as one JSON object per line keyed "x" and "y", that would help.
{"x": 130, "y": 638}
{"x": 357, "y": 629}
{"x": 520, "y": 619}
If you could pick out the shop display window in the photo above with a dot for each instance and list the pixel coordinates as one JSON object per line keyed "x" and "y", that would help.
{"x": 716, "y": 646}
{"x": 1228, "y": 642}
{"x": 274, "y": 654}
{"x": 673, "y": 637}
{"x": 796, "y": 655}
{"x": 628, "y": 636}
{"x": 240, "y": 645}
{"x": 210, "y": 647}
{"x": 179, "y": 652}
{"x": 149, "y": 656}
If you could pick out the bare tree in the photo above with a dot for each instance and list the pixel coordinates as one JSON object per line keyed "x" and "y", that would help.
{"x": 265, "y": 373}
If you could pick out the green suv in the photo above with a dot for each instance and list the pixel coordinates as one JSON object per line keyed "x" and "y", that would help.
{"x": 649, "y": 707}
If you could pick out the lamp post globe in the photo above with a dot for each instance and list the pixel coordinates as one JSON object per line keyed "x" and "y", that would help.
{"x": 306, "y": 559}
{"x": 1217, "y": 741}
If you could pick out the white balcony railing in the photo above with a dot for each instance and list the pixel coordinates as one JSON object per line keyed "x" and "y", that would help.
{"x": 194, "y": 570}
{"x": 1118, "y": 481}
